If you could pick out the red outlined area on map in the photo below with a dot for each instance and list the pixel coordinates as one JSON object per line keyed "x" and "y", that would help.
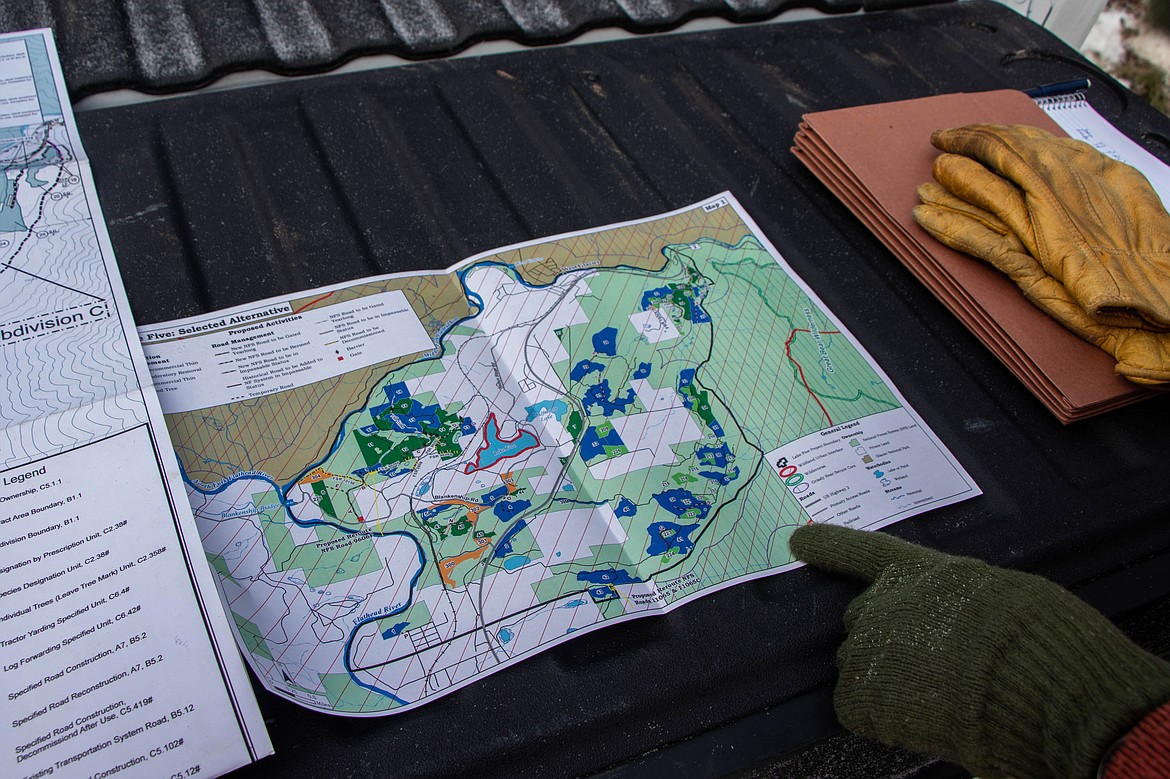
{"x": 492, "y": 424}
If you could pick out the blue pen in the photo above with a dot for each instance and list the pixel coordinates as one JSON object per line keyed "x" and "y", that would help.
{"x": 1058, "y": 88}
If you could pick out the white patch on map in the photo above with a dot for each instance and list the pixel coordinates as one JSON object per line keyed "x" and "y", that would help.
{"x": 655, "y": 399}
{"x": 654, "y": 433}
{"x": 563, "y": 536}
{"x": 654, "y": 325}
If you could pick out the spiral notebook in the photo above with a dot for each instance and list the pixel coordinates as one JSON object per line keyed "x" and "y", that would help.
{"x": 873, "y": 158}
{"x": 1080, "y": 120}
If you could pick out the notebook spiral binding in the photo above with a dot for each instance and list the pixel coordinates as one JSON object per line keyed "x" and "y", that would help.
{"x": 1057, "y": 102}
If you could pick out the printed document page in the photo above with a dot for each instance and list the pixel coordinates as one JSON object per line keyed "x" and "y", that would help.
{"x": 1081, "y": 121}
{"x": 116, "y": 652}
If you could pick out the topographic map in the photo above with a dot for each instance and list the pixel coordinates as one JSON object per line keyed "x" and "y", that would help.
{"x": 65, "y": 367}
{"x": 97, "y": 586}
{"x": 570, "y": 432}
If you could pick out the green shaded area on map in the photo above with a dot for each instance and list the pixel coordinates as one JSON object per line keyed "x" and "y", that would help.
{"x": 596, "y": 451}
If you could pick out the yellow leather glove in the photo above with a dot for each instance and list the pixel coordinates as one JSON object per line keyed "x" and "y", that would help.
{"x": 1142, "y": 356}
{"x": 1094, "y": 224}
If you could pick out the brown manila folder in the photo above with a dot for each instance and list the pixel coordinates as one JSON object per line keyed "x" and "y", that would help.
{"x": 873, "y": 157}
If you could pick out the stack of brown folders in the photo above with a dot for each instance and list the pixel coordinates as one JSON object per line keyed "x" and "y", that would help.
{"x": 874, "y": 157}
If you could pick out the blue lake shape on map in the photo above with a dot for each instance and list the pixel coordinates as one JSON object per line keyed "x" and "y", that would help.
{"x": 667, "y": 535}
{"x": 558, "y": 408}
{"x": 505, "y": 635}
{"x": 643, "y": 370}
{"x": 497, "y": 449}
{"x": 516, "y": 561}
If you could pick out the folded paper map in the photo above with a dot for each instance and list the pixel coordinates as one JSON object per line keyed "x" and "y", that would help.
{"x": 408, "y": 482}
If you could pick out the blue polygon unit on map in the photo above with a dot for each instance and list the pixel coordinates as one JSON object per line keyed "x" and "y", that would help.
{"x": 395, "y": 630}
{"x": 713, "y": 455}
{"x": 607, "y": 576}
{"x": 506, "y": 509}
{"x": 466, "y": 426}
{"x": 680, "y": 501}
{"x": 593, "y": 445}
{"x": 413, "y": 420}
{"x": 430, "y": 512}
{"x": 504, "y": 547}
{"x": 389, "y": 471}
{"x": 722, "y": 478}
{"x": 686, "y": 377}
{"x": 716, "y": 428}
{"x": 698, "y": 315}
{"x": 11, "y": 218}
{"x": 602, "y": 593}
{"x": 667, "y": 535}
{"x": 625, "y": 507}
{"x": 583, "y": 369}
{"x": 652, "y": 296}
{"x": 396, "y": 391}
{"x": 605, "y": 341}
{"x": 489, "y": 498}
{"x": 598, "y": 395}
{"x": 643, "y": 370}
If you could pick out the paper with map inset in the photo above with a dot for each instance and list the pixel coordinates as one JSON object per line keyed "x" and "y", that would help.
{"x": 411, "y": 481}
{"x": 115, "y": 651}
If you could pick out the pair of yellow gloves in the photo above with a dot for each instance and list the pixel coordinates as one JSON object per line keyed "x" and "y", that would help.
{"x": 1085, "y": 237}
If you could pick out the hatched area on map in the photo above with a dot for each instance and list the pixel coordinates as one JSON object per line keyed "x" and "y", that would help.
{"x": 603, "y": 426}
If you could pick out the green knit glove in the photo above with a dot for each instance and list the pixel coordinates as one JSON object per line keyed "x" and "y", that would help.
{"x": 1004, "y": 672}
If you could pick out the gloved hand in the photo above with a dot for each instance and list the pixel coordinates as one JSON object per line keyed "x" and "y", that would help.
{"x": 1003, "y": 672}
{"x": 1094, "y": 224}
{"x": 1142, "y": 356}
